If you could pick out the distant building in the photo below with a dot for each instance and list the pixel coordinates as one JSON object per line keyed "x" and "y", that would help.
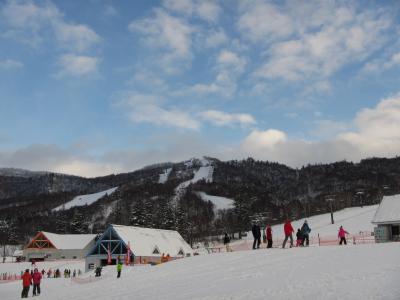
{"x": 48, "y": 246}
{"x": 387, "y": 219}
{"x": 146, "y": 245}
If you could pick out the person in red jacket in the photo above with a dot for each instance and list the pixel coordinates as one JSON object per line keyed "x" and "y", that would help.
{"x": 268, "y": 233}
{"x": 36, "y": 278}
{"x": 26, "y": 283}
{"x": 288, "y": 233}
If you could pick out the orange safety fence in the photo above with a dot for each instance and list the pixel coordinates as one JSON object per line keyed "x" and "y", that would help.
{"x": 7, "y": 277}
{"x": 356, "y": 239}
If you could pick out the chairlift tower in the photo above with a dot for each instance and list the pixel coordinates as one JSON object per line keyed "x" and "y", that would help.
{"x": 330, "y": 199}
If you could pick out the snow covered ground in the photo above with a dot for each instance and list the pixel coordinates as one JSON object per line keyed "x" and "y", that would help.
{"x": 83, "y": 200}
{"x": 337, "y": 272}
{"x": 369, "y": 271}
{"x": 353, "y": 220}
{"x": 219, "y": 202}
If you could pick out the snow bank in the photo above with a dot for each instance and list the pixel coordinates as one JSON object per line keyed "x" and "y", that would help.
{"x": 83, "y": 200}
{"x": 299, "y": 273}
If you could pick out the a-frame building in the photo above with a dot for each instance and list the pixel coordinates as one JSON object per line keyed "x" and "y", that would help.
{"x": 146, "y": 245}
{"x": 47, "y": 245}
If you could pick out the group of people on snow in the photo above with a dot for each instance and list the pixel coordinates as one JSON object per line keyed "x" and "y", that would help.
{"x": 28, "y": 280}
{"x": 34, "y": 278}
{"x": 302, "y": 235}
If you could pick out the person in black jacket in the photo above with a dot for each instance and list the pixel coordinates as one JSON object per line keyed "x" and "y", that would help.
{"x": 305, "y": 231}
{"x": 256, "y": 230}
{"x": 227, "y": 240}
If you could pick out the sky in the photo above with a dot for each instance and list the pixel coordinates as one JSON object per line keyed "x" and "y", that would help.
{"x": 98, "y": 87}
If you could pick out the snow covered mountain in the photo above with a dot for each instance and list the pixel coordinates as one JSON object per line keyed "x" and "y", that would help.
{"x": 199, "y": 197}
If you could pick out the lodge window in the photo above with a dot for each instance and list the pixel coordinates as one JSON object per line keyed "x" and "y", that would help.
{"x": 156, "y": 251}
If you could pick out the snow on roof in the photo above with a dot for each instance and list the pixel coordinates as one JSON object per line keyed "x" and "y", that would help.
{"x": 83, "y": 200}
{"x": 388, "y": 211}
{"x": 69, "y": 241}
{"x": 143, "y": 241}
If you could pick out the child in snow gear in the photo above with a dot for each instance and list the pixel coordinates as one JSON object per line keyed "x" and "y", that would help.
{"x": 305, "y": 231}
{"x": 288, "y": 229}
{"x": 342, "y": 235}
{"x": 226, "y": 242}
{"x": 26, "y": 283}
{"x": 36, "y": 278}
{"x": 256, "y": 230}
{"x": 119, "y": 269}
{"x": 299, "y": 238}
{"x": 268, "y": 233}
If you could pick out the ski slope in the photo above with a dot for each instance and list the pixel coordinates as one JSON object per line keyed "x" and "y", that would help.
{"x": 219, "y": 202}
{"x": 204, "y": 172}
{"x": 353, "y": 219}
{"x": 337, "y": 272}
{"x": 83, "y": 200}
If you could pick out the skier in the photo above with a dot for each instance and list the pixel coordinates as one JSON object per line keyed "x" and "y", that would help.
{"x": 26, "y": 283}
{"x": 305, "y": 231}
{"x": 226, "y": 242}
{"x": 256, "y": 230}
{"x": 288, "y": 229}
{"x": 37, "y": 277}
{"x": 119, "y": 269}
{"x": 342, "y": 235}
{"x": 268, "y": 232}
{"x": 299, "y": 238}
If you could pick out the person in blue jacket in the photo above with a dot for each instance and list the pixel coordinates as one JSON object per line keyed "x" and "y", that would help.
{"x": 305, "y": 231}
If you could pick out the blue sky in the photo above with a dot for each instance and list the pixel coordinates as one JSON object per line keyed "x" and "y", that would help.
{"x": 98, "y": 87}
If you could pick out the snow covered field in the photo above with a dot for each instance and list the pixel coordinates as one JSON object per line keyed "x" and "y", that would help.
{"x": 369, "y": 271}
{"x": 336, "y": 272}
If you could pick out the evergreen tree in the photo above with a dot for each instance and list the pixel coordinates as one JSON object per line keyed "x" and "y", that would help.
{"x": 78, "y": 223}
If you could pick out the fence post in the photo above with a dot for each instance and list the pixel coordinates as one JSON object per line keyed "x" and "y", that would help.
{"x": 319, "y": 242}
{"x": 354, "y": 240}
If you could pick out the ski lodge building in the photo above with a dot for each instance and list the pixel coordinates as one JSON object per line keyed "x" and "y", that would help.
{"x": 387, "y": 219}
{"x": 146, "y": 245}
{"x": 46, "y": 245}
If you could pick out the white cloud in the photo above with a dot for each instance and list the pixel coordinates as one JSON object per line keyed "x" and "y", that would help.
{"x": 377, "y": 134}
{"x": 378, "y": 129}
{"x": 147, "y": 109}
{"x": 78, "y": 65}
{"x": 221, "y": 118}
{"x": 30, "y": 21}
{"x": 326, "y": 129}
{"x": 181, "y": 6}
{"x": 9, "y": 64}
{"x": 168, "y": 33}
{"x": 262, "y": 21}
{"x": 75, "y": 37}
{"x": 258, "y": 140}
{"x": 216, "y": 38}
{"x": 229, "y": 66}
{"x": 203, "y": 9}
{"x": 315, "y": 39}
{"x": 208, "y": 10}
